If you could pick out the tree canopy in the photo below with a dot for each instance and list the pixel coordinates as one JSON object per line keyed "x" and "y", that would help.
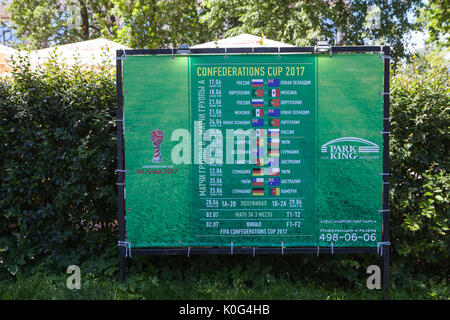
{"x": 165, "y": 23}
{"x": 39, "y": 24}
{"x": 435, "y": 18}
{"x": 342, "y": 22}
{"x": 155, "y": 24}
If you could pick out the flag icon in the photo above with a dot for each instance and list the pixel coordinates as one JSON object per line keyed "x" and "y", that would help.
{"x": 258, "y": 182}
{"x": 274, "y": 171}
{"x": 257, "y": 122}
{"x": 274, "y": 162}
{"x": 258, "y": 191}
{"x": 274, "y": 102}
{"x": 274, "y": 132}
{"x": 274, "y": 122}
{"x": 257, "y": 82}
{"x": 273, "y": 182}
{"x": 258, "y": 102}
{"x": 273, "y": 82}
{"x": 260, "y": 132}
{"x": 260, "y": 162}
{"x": 275, "y": 191}
{"x": 274, "y": 92}
{"x": 259, "y": 142}
{"x": 274, "y": 112}
{"x": 258, "y": 152}
{"x": 274, "y": 152}
{"x": 258, "y": 112}
{"x": 258, "y": 172}
{"x": 274, "y": 142}
{"x": 258, "y": 93}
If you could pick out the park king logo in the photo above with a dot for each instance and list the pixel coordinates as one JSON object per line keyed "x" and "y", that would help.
{"x": 350, "y": 148}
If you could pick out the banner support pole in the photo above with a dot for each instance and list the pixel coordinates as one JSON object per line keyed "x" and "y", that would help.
{"x": 386, "y": 164}
{"x": 120, "y": 166}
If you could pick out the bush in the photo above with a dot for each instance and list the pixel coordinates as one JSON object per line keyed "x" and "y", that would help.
{"x": 58, "y": 161}
{"x": 419, "y": 153}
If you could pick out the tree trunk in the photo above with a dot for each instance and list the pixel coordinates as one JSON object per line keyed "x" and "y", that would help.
{"x": 84, "y": 20}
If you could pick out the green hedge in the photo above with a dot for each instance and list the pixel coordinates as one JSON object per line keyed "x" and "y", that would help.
{"x": 58, "y": 161}
{"x": 420, "y": 154}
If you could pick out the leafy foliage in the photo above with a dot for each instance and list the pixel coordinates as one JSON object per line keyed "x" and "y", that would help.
{"x": 136, "y": 23}
{"x": 420, "y": 161}
{"x": 435, "y": 18}
{"x": 57, "y": 134}
{"x": 165, "y": 23}
{"x": 159, "y": 24}
{"x": 305, "y": 22}
{"x": 40, "y": 24}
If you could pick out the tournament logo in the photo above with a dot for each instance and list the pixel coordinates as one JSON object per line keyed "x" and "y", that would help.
{"x": 349, "y": 148}
{"x": 157, "y": 137}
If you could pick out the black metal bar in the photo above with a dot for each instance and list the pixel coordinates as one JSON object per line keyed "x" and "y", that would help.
{"x": 220, "y": 50}
{"x": 338, "y": 49}
{"x": 386, "y": 167}
{"x": 286, "y": 49}
{"x": 134, "y": 52}
{"x": 120, "y": 165}
{"x": 357, "y": 49}
{"x": 249, "y": 250}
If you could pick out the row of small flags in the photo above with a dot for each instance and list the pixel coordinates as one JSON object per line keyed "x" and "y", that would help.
{"x": 270, "y": 92}
{"x": 259, "y": 172}
{"x": 273, "y": 133}
{"x": 272, "y": 152}
{"x": 272, "y": 162}
{"x": 260, "y": 103}
{"x": 272, "y": 182}
{"x": 273, "y": 140}
{"x": 270, "y": 82}
{"x": 258, "y": 183}
{"x": 260, "y": 191}
{"x": 273, "y": 144}
{"x": 260, "y": 122}
{"x": 270, "y": 112}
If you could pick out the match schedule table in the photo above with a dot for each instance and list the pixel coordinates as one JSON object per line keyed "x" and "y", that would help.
{"x": 254, "y": 169}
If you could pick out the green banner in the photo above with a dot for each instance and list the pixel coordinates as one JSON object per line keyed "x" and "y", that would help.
{"x": 253, "y": 150}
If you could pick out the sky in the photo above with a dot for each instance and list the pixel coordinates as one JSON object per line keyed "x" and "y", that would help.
{"x": 417, "y": 40}
{"x": 417, "y": 37}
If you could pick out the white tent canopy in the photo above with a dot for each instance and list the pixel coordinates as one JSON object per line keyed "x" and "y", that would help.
{"x": 86, "y": 53}
{"x": 94, "y": 52}
{"x": 6, "y": 53}
{"x": 244, "y": 40}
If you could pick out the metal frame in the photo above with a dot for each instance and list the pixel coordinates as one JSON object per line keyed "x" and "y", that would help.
{"x": 386, "y": 168}
{"x": 384, "y": 258}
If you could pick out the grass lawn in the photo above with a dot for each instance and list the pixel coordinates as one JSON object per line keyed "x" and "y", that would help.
{"x": 141, "y": 286}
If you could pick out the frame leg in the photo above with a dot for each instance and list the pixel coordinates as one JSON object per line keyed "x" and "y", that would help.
{"x": 386, "y": 272}
{"x": 122, "y": 264}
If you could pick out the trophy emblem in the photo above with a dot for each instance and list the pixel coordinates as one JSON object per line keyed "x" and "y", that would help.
{"x": 157, "y": 137}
